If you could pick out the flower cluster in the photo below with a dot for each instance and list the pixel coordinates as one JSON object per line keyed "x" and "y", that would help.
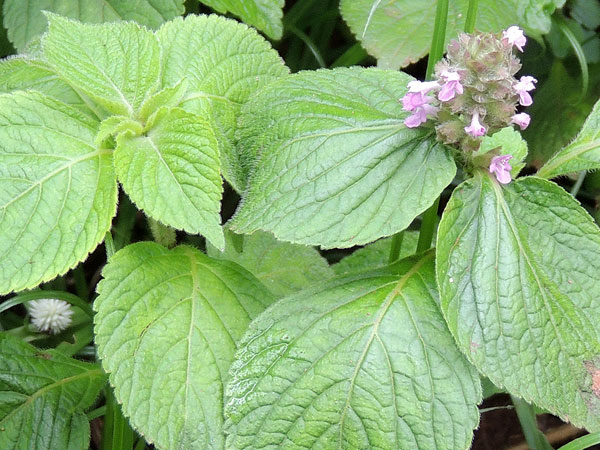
{"x": 474, "y": 92}
{"x": 50, "y": 315}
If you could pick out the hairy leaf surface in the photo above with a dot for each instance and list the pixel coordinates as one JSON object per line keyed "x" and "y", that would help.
{"x": 334, "y": 164}
{"x": 398, "y": 32}
{"x": 518, "y": 271}
{"x": 581, "y": 154}
{"x": 283, "y": 267}
{"x": 223, "y": 62}
{"x": 364, "y": 361}
{"x": 167, "y": 326}
{"x": 58, "y": 192}
{"x": 172, "y": 172}
{"x": 265, "y": 15}
{"x": 116, "y": 64}
{"x": 43, "y": 397}
{"x": 24, "y": 18}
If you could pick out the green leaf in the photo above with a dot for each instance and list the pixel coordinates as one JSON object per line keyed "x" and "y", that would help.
{"x": 335, "y": 165}
{"x": 398, "y": 33}
{"x": 376, "y": 254}
{"x": 43, "y": 396}
{"x": 172, "y": 172}
{"x": 518, "y": 271}
{"x": 283, "y": 267}
{"x": 581, "y": 154}
{"x": 116, "y": 64}
{"x": 364, "y": 361}
{"x": 58, "y": 193}
{"x": 24, "y": 18}
{"x": 265, "y": 15}
{"x": 223, "y": 62}
{"x": 167, "y": 326}
{"x": 22, "y": 74}
{"x": 507, "y": 141}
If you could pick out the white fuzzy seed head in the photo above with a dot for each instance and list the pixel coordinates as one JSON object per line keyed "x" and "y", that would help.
{"x": 50, "y": 315}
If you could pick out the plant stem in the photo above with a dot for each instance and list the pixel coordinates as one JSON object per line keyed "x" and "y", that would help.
{"x": 109, "y": 245}
{"x": 430, "y": 219}
{"x": 39, "y": 294}
{"x": 162, "y": 234}
{"x": 583, "y": 442}
{"x": 578, "y": 183}
{"x": 117, "y": 434}
{"x": 471, "y": 16}
{"x": 439, "y": 37}
{"x": 579, "y": 53}
{"x": 526, "y": 414}
{"x": 396, "y": 246}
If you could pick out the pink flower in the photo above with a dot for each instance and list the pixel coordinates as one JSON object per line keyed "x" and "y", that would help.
{"x": 476, "y": 128}
{"x": 521, "y": 119}
{"x": 514, "y": 36}
{"x": 420, "y": 114}
{"x": 422, "y": 86}
{"x": 416, "y": 95}
{"x": 501, "y": 168}
{"x": 524, "y": 85}
{"x": 451, "y": 87}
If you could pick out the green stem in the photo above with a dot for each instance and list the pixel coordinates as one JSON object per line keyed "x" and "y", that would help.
{"x": 526, "y": 414}
{"x": 82, "y": 337}
{"x": 95, "y": 413}
{"x": 36, "y": 295}
{"x": 162, "y": 234}
{"x": 81, "y": 286}
{"x": 309, "y": 43}
{"x": 579, "y": 53}
{"x": 117, "y": 434}
{"x": 350, "y": 57}
{"x": 578, "y": 183}
{"x": 430, "y": 219}
{"x": 583, "y": 442}
{"x": 110, "y": 245}
{"x": 439, "y": 37}
{"x": 395, "y": 248}
{"x": 471, "y": 16}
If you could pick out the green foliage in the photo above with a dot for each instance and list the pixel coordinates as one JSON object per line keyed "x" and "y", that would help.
{"x": 58, "y": 191}
{"x": 282, "y": 267}
{"x": 265, "y": 15}
{"x": 223, "y": 63}
{"x": 167, "y": 325}
{"x": 507, "y": 141}
{"x": 25, "y": 21}
{"x": 171, "y": 171}
{"x": 43, "y": 397}
{"x": 334, "y": 164}
{"x": 517, "y": 267}
{"x": 398, "y": 33}
{"x": 330, "y": 367}
{"x": 583, "y": 153}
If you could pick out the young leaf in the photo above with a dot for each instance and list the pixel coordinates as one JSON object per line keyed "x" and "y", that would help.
{"x": 23, "y": 74}
{"x": 172, "y": 172}
{"x": 43, "y": 397}
{"x": 581, "y": 154}
{"x": 167, "y": 326}
{"x": 116, "y": 64}
{"x": 518, "y": 271}
{"x": 224, "y": 62}
{"x": 399, "y": 33}
{"x": 265, "y": 15}
{"x": 376, "y": 254}
{"x": 364, "y": 361}
{"x": 283, "y": 267}
{"x": 335, "y": 165}
{"x": 24, "y": 18}
{"x": 58, "y": 192}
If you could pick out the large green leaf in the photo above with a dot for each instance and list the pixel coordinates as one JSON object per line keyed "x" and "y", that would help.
{"x": 362, "y": 362}
{"x": 581, "y": 154}
{"x": 283, "y": 267}
{"x": 172, "y": 172}
{"x": 223, "y": 62}
{"x": 335, "y": 165}
{"x": 376, "y": 254}
{"x": 398, "y": 32}
{"x": 116, "y": 64}
{"x": 265, "y": 15}
{"x": 21, "y": 74}
{"x": 43, "y": 396}
{"x": 167, "y": 326}
{"x": 518, "y": 271}
{"x": 24, "y": 18}
{"x": 58, "y": 192}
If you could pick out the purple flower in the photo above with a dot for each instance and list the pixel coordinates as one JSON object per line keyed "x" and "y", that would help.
{"x": 476, "y": 128}
{"x": 416, "y": 95}
{"x": 422, "y": 86}
{"x": 451, "y": 87}
{"x": 524, "y": 85}
{"x": 514, "y": 36}
{"x": 420, "y": 114}
{"x": 501, "y": 168}
{"x": 521, "y": 119}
